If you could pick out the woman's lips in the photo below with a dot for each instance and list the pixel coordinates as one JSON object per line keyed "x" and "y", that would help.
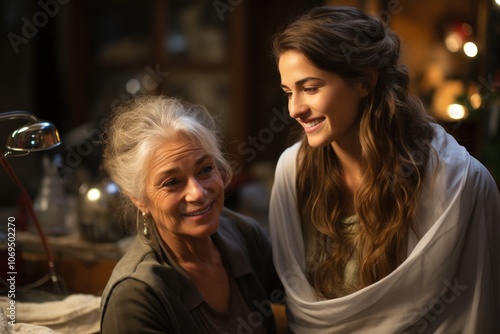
{"x": 198, "y": 212}
{"x": 312, "y": 125}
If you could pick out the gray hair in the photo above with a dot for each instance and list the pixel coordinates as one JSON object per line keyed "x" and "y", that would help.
{"x": 136, "y": 129}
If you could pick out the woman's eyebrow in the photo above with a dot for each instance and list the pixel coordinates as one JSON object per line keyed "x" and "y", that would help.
{"x": 301, "y": 82}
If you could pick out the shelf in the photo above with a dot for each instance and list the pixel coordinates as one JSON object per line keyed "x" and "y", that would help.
{"x": 120, "y": 41}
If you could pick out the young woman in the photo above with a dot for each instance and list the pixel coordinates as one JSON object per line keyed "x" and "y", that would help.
{"x": 379, "y": 220}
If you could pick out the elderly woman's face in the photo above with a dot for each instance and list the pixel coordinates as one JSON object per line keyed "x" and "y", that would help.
{"x": 184, "y": 190}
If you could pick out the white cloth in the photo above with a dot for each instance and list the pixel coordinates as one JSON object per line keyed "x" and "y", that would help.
{"x": 450, "y": 281}
{"x": 4, "y": 326}
{"x": 21, "y": 328}
{"x": 77, "y": 313}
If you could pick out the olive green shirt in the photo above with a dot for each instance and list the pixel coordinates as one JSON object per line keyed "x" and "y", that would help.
{"x": 149, "y": 293}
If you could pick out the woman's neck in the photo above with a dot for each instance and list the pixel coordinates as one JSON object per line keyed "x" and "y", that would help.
{"x": 203, "y": 263}
{"x": 350, "y": 164}
{"x": 192, "y": 250}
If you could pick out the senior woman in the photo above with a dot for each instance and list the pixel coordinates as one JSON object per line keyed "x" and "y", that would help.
{"x": 195, "y": 266}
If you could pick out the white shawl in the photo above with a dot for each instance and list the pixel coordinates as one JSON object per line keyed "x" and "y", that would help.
{"x": 450, "y": 281}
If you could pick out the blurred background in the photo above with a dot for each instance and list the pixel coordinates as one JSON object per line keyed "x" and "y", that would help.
{"x": 71, "y": 62}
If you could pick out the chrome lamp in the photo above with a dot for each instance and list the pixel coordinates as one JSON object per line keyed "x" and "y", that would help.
{"x": 35, "y": 136}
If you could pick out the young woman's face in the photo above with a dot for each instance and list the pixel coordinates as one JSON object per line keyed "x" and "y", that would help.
{"x": 184, "y": 191}
{"x": 322, "y": 102}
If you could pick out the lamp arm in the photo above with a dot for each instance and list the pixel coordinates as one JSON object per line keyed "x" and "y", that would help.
{"x": 8, "y": 115}
{"x": 58, "y": 283}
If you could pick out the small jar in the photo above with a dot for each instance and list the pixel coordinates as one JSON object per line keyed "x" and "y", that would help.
{"x": 99, "y": 218}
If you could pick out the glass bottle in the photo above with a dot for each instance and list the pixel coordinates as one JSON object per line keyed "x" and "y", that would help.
{"x": 50, "y": 202}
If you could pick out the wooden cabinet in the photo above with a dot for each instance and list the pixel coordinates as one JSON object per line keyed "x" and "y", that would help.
{"x": 186, "y": 48}
{"x": 79, "y": 276}
{"x": 82, "y": 266}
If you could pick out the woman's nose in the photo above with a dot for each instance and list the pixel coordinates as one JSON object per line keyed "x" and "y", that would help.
{"x": 195, "y": 191}
{"x": 296, "y": 106}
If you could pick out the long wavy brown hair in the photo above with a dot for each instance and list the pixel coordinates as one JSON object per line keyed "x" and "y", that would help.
{"x": 395, "y": 135}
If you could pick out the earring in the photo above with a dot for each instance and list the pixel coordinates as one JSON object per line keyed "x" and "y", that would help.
{"x": 145, "y": 217}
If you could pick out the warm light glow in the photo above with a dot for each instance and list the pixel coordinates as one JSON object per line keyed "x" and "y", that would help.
{"x": 456, "y": 111}
{"x": 93, "y": 194}
{"x": 475, "y": 99}
{"x": 470, "y": 49}
{"x": 445, "y": 95}
{"x": 497, "y": 2}
{"x": 453, "y": 42}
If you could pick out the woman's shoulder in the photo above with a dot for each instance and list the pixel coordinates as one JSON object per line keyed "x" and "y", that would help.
{"x": 140, "y": 266}
{"x": 234, "y": 222}
{"x": 456, "y": 171}
{"x": 484, "y": 182}
{"x": 290, "y": 153}
{"x": 453, "y": 157}
{"x": 137, "y": 253}
{"x": 244, "y": 231}
{"x": 142, "y": 311}
{"x": 287, "y": 163}
{"x": 160, "y": 309}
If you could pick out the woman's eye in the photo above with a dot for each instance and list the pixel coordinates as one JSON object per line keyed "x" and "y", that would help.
{"x": 170, "y": 183}
{"x": 310, "y": 89}
{"x": 288, "y": 95}
{"x": 207, "y": 169}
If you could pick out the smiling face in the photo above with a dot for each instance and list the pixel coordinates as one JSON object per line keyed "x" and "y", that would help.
{"x": 184, "y": 191}
{"x": 324, "y": 103}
